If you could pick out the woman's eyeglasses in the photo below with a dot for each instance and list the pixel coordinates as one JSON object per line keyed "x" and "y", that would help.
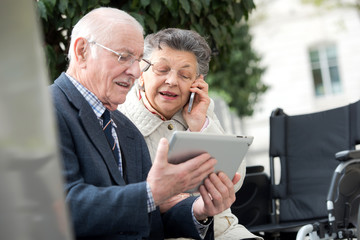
{"x": 163, "y": 69}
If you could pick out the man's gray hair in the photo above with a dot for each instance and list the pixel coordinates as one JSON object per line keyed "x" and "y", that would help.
{"x": 183, "y": 40}
{"x": 98, "y": 25}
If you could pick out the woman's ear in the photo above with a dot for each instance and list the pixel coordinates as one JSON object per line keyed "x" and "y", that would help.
{"x": 141, "y": 80}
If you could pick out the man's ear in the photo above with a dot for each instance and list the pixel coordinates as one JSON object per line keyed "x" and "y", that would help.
{"x": 80, "y": 49}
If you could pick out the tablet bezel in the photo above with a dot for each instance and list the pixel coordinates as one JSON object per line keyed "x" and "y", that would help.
{"x": 185, "y": 145}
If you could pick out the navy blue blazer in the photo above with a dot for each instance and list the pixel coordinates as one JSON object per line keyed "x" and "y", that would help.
{"x": 104, "y": 205}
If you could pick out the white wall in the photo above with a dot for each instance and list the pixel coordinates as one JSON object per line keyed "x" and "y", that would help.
{"x": 283, "y": 30}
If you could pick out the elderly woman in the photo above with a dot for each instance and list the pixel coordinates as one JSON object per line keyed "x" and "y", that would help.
{"x": 177, "y": 62}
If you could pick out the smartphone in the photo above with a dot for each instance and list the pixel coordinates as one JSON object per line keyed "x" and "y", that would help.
{"x": 191, "y": 101}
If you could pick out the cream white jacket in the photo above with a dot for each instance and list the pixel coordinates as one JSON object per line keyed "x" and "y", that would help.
{"x": 153, "y": 128}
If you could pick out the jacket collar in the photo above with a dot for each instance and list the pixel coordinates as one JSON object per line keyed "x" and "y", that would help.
{"x": 146, "y": 121}
{"x": 90, "y": 124}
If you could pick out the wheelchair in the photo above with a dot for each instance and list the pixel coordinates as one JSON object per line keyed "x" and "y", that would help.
{"x": 318, "y": 194}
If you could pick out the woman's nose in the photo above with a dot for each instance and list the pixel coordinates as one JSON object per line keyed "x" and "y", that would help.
{"x": 172, "y": 78}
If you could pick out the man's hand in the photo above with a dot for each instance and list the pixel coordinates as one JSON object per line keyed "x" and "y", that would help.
{"x": 167, "y": 180}
{"x": 165, "y": 206}
{"x": 217, "y": 194}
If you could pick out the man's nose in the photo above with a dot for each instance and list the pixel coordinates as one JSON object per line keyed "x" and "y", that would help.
{"x": 134, "y": 69}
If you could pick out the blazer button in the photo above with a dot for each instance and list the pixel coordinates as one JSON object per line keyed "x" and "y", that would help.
{"x": 170, "y": 127}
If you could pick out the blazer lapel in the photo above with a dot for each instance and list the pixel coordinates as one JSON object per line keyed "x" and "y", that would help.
{"x": 128, "y": 148}
{"x": 91, "y": 126}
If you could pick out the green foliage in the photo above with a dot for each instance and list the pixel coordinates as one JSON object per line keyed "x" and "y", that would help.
{"x": 329, "y": 4}
{"x": 238, "y": 80}
{"x": 58, "y": 17}
{"x": 316, "y": 2}
{"x": 213, "y": 19}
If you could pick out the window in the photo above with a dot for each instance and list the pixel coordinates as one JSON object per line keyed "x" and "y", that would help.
{"x": 325, "y": 70}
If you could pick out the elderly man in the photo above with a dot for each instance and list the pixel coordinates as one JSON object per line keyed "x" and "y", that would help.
{"x": 112, "y": 189}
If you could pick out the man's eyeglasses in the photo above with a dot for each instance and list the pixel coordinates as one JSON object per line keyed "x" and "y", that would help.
{"x": 162, "y": 69}
{"x": 126, "y": 59}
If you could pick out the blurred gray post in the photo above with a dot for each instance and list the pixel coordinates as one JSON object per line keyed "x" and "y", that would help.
{"x": 31, "y": 187}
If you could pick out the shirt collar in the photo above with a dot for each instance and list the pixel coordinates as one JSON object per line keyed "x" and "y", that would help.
{"x": 93, "y": 101}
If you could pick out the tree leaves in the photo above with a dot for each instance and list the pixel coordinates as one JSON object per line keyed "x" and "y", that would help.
{"x": 185, "y": 5}
{"x": 213, "y": 19}
{"x": 144, "y": 3}
{"x": 156, "y": 7}
{"x": 238, "y": 80}
{"x": 42, "y": 10}
{"x": 63, "y": 5}
{"x": 196, "y": 7}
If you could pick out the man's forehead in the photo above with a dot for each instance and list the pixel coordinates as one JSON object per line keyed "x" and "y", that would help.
{"x": 128, "y": 39}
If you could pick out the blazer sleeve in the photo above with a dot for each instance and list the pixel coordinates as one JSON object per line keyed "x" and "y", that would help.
{"x": 179, "y": 220}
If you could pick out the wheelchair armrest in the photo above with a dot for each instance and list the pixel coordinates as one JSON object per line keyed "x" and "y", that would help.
{"x": 347, "y": 155}
{"x": 254, "y": 169}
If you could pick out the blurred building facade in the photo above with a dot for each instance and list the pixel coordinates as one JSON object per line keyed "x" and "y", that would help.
{"x": 312, "y": 56}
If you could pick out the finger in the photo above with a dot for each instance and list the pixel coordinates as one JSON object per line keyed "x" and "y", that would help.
{"x": 215, "y": 187}
{"x": 200, "y": 78}
{"x": 213, "y": 202}
{"x": 205, "y": 169}
{"x": 201, "y": 95}
{"x": 162, "y": 152}
{"x": 198, "y": 168}
{"x": 227, "y": 182}
{"x": 236, "y": 178}
{"x": 204, "y": 86}
{"x": 225, "y": 179}
{"x": 209, "y": 206}
{"x": 230, "y": 187}
{"x": 200, "y": 162}
{"x": 197, "y": 173}
{"x": 221, "y": 182}
{"x": 200, "y": 85}
{"x": 199, "y": 81}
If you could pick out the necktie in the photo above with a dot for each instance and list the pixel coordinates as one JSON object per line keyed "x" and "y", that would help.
{"x": 107, "y": 128}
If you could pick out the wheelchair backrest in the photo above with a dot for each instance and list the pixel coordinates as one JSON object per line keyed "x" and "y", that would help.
{"x": 306, "y": 145}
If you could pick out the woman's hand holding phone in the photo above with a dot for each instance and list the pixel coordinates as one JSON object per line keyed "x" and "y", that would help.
{"x": 195, "y": 110}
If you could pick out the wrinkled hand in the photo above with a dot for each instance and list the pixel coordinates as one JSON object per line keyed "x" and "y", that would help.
{"x": 196, "y": 118}
{"x": 217, "y": 194}
{"x": 173, "y": 201}
{"x": 167, "y": 180}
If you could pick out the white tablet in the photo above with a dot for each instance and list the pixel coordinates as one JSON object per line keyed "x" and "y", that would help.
{"x": 228, "y": 150}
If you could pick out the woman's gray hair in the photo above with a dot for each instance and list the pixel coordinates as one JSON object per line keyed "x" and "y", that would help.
{"x": 98, "y": 25}
{"x": 183, "y": 40}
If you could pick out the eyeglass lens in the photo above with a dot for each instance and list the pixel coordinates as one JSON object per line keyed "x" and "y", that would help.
{"x": 162, "y": 69}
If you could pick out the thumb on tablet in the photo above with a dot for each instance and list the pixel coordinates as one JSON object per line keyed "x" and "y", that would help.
{"x": 236, "y": 178}
{"x": 162, "y": 152}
